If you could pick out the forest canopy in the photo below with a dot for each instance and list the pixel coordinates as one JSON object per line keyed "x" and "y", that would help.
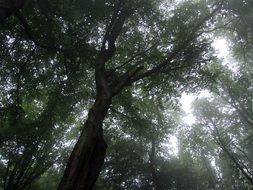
{"x": 90, "y": 95}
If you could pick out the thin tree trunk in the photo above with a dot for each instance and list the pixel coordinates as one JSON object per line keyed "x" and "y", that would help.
{"x": 155, "y": 178}
{"x": 87, "y": 158}
{"x": 246, "y": 175}
{"x": 230, "y": 155}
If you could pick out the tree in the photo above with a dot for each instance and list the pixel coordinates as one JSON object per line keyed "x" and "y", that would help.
{"x": 123, "y": 44}
{"x": 132, "y": 153}
{"x": 228, "y": 113}
{"x": 31, "y": 121}
{"x": 88, "y": 155}
{"x": 219, "y": 122}
{"x": 137, "y": 157}
{"x": 36, "y": 108}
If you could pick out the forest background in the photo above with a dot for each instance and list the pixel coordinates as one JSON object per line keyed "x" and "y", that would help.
{"x": 90, "y": 94}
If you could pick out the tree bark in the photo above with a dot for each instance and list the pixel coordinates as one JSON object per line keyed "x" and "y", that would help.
{"x": 87, "y": 158}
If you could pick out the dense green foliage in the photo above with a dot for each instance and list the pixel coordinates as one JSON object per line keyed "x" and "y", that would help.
{"x": 48, "y": 79}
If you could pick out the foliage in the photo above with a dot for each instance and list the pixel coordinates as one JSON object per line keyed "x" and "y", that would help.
{"x": 60, "y": 59}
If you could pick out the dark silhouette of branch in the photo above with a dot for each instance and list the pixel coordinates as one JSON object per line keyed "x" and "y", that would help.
{"x": 139, "y": 54}
{"x": 218, "y": 139}
{"x": 108, "y": 48}
{"x": 31, "y": 37}
{"x": 124, "y": 80}
{"x": 178, "y": 49}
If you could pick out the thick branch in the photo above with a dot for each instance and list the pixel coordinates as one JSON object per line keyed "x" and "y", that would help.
{"x": 108, "y": 48}
{"x": 139, "y": 54}
{"x": 125, "y": 80}
{"x": 119, "y": 16}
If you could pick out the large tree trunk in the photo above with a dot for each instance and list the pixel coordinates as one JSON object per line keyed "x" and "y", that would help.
{"x": 87, "y": 158}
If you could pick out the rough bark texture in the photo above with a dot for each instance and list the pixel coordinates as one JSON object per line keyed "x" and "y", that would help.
{"x": 9, "y": 7}
{"x": 87, "y": 158}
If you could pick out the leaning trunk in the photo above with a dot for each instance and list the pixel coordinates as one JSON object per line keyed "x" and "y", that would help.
{"x": 87, "y": 158}
{"x": 246, "y": 175}
{"x": 231, "y": 156}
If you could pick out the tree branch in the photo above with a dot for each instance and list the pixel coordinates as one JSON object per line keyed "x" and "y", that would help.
{"x": 31, "y": 37}
{"x": 108, "y": 48}
{"x": 139, "y": 54}
{"x": 178, "y": 49}
{"x": 124, "y": 80}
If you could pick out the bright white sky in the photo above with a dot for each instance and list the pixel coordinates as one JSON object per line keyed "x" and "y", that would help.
{"x": 221, "y": 47}
{"x": 186, "y": 101}
{"x": 222, "y": 50}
